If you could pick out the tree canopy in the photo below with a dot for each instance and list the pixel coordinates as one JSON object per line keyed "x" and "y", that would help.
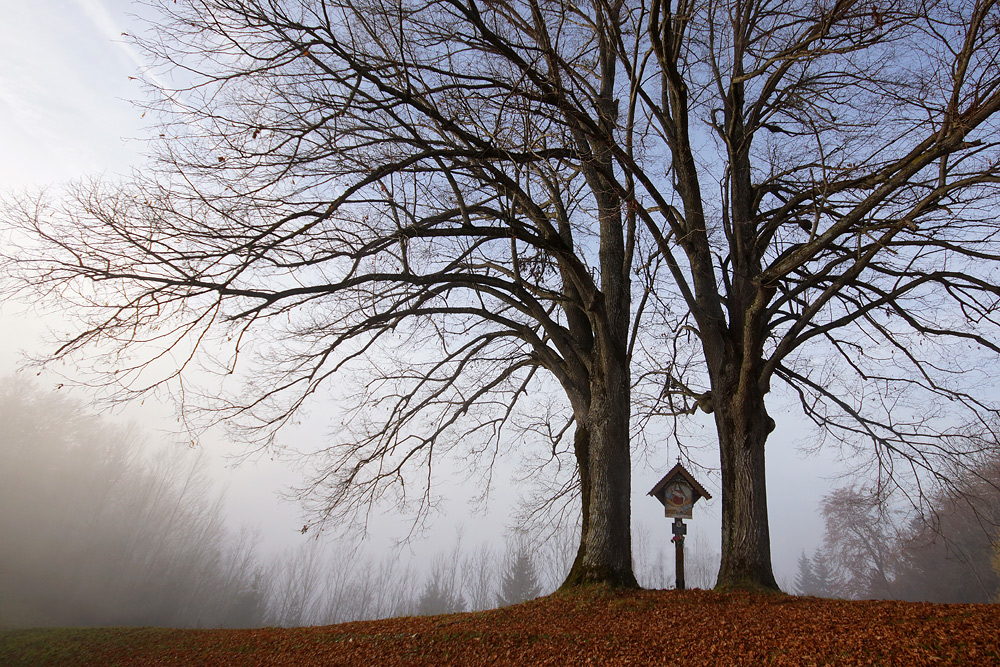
{"x": 462, "y": 202}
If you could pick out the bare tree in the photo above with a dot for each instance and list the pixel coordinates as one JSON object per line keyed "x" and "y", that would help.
{"x": 701, "y": 563}
{"x": 651, "y": 562}
{"x": 939, "y": 552}
{"x": 556, "y": 546}
{"x": 861, "y": 543}
{"x": 297, "y": 588}
{"x": 359, "y": 587}
{"x": 371, "y": 178}
{"x": 849, "y": 250}
{"x": 481, "y": 574}
{"x": 808, "y": 186}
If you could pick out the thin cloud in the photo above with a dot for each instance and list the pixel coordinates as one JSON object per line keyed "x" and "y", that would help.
{"x": 97, "y": 12}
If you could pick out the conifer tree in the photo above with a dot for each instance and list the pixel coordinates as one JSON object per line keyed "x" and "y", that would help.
{"x": 823, "y": 580}
{"x": 441, "y": 594}
{"x": 805, "y": 580}
{"x": 520, "y": 581}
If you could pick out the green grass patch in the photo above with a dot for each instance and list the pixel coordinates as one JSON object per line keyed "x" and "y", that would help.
{"x": 69, "y": 646}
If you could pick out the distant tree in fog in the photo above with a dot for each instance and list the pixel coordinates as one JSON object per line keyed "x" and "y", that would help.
{"x": 96, "y": 533}
{"x": 825, "y": 584}
{"x": 654, "y": 555}
{"x": 701, "y": 563}
{"x": 297, "y": 577}
{"x": 442, "y": 593}
{"x": 520, "y": 578}
{"x": 946, "y": 551}
{"x": 996, "y": 563}
{"x": 480, "y": 574}
{"x": 814, "y": 576}
{"x": 938, "y": 552}
{"x": 98, "y": 528}
{"x": 805, "y": 579}
{"x": 652, "y": 568}
{"x": 861, "y": 543}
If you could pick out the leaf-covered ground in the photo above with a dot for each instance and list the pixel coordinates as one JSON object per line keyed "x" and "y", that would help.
{"x": 690, "y": 628}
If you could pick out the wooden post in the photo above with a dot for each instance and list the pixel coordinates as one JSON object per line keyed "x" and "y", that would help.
{"x": 679, "y": 530}
{"x": 679, "y": 550}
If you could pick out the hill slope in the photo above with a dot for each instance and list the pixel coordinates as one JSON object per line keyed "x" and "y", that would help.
{"x": 691, "y": 628}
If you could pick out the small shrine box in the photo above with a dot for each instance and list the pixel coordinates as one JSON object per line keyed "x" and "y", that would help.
{"x": 678, "y": 491}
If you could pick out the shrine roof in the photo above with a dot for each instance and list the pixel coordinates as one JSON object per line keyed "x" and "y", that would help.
{"x": 679, "y": 470}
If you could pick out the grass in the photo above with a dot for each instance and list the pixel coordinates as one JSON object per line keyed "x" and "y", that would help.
{"x": 590, "y": 626}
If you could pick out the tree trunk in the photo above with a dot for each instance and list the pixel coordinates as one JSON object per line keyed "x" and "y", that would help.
{"x": 605, "y": 553}
{"x": 581, "y": 446}
{"x": 608, "y": 557}
{"x": 604, "y": 458}
{"x": 743, "y": 425}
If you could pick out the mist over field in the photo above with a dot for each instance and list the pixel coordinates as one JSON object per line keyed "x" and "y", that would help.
{"x": 102, "y": 526}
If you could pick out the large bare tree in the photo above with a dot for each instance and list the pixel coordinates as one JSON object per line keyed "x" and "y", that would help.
{"x": 804, "y": 189}
{"x": 847, "y": 249}
{"x": 377, "y": 181}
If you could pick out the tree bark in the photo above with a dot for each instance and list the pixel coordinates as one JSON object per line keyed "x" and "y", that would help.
{"x": 603, "y": 453}
{"x": 581, "y": 446}
{"x": 743, "y": 426}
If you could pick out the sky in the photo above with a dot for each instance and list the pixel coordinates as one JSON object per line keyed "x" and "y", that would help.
{"x": 66, "y": 81}
{"x": 67, "y": 78}
{"x": 64, "y": 91}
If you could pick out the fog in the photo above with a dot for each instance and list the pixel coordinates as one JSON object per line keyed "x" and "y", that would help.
{"x": 99, "y": 531}
{"x": 102, "y": 525}
{"x": 109, "y": 519}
